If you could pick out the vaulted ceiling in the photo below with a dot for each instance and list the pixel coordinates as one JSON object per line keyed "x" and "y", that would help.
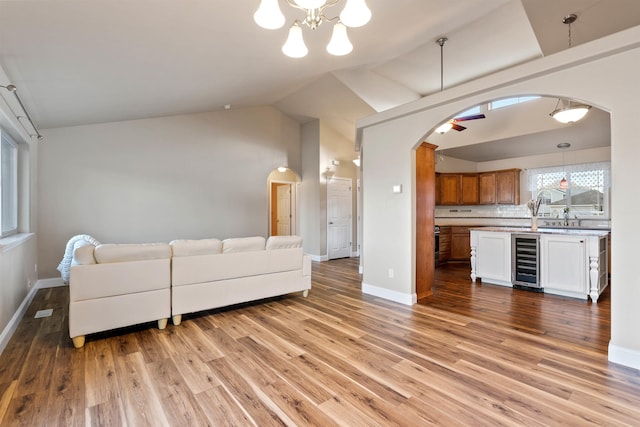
{"x": 78, "y": 62}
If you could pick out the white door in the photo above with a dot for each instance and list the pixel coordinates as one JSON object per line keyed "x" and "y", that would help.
{"x": 339, "y": 206}
{"x": 284, "y": 210}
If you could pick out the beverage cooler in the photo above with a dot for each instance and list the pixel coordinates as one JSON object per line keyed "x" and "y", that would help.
{"x": 525, "y": 261}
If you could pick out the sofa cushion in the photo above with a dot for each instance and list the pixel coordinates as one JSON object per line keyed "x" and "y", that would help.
{"x": 187, "y": 247}
{"x": 243, "y": 244}
{"x": 123, "y": 252}
{"x": 83, "y": 254}
{"x": 284, "y": 242}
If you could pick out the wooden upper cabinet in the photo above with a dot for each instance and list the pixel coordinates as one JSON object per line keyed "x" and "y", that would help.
{"x": 469, "y": 189}
{"x": 487, "y": 184}
{"x": 508, "y": 187}
{"x": 485, "y": 188}
{"x": 449, "y": 188}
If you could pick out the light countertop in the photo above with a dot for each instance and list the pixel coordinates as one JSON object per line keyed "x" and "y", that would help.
{"x": 542, "y": 230}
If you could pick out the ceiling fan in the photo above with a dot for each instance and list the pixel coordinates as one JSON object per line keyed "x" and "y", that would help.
{"x": 453, "y": 123}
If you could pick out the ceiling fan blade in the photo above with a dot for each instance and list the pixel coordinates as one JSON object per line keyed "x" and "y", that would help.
{"x": 472, "y": 117}
{"x": 457, "y": 127}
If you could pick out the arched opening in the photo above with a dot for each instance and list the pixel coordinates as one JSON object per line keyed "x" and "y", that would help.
{"x": 283, "y": 202}
{"x": 517, "y": 135}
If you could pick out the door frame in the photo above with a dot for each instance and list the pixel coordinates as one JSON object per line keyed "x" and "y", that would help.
{"x": 294, "y": 205}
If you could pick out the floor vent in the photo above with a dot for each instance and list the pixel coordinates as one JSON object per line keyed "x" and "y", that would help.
{"x": 43, "y": 313}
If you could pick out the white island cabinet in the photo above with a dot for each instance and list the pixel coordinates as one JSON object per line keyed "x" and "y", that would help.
{"x": 573, "y": 266}
{"x": 572, "y": 262}
{"x": 491, "y": 257}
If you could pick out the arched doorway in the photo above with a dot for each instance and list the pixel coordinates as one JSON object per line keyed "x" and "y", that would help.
{"x": 531, "y": 150}
{"x": 283, "y": 202}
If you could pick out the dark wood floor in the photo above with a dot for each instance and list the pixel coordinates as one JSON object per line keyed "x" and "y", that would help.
{"x": 468, "y": 355}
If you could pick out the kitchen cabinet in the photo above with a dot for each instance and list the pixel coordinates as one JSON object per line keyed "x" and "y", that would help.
{"x": 491, "y": 257}
{"x": 487, "y": 184}
{"x": 445, "y": 244}
{"x": 460, "y": 244}
{"x": 508, "y": 187}
{"x": 486, "y": 188}
{"x": 449, "y": 188}
{"x": 564, "y": 268}
{"x": 469, "y": 189}
{"x": 459, "y": 189}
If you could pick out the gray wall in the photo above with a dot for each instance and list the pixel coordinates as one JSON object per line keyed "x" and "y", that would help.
{"x": 310, "y": 189}
{"x": 189, "y": 176}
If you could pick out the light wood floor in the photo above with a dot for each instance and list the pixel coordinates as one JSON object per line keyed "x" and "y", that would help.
{"x": 469, "y": 355}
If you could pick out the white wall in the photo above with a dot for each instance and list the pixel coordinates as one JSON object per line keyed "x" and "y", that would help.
{"x": 18, "y": 253}
{"x": 189, "y": 176}
{"x": 603, "y": 73}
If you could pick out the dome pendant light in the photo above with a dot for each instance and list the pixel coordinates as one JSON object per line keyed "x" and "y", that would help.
{"x": 569, "y": 113}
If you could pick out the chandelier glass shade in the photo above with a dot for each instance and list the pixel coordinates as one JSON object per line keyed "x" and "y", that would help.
{"x": 355, "y": 14}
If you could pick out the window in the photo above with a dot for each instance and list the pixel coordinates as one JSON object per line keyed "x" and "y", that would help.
{"x": 587, "y": 193}
{"x": 470, "y": 112}
{"x": 8, "y": 185}
{"x": 501, "y": 103}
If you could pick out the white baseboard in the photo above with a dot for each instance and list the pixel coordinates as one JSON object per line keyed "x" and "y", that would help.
{"x": 624, "y": 356}
{"x": 360, "y": 269}
{"x": 402, "y": 298}
{"x": 319, "y": 258}
{"x": 11, "y": 327}
{"x": 54, "y": 282}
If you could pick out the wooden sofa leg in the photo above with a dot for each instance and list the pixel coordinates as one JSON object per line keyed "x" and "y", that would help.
{"x": 162, "y": 323}
{"x": 78, "y": 342}
{"x": 177, "y": 319}
{"x": 305, "y": 293}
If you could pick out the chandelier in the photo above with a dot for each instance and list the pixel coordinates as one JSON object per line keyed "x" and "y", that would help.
{"x": 355, "y": 14}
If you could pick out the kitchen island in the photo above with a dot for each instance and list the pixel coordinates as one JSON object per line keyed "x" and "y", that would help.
{"x": 567, "y": 262}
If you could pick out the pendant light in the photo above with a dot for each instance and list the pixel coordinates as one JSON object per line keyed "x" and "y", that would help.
{"x": 568, "y": 112}
{"x": 445, "y": 127}
{"x": 564, "y": 184}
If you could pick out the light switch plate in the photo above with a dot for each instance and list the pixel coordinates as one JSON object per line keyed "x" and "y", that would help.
{"x": 397, "y": 188}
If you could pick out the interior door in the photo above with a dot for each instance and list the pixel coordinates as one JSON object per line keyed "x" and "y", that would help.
{"x": 283, "y": 212}
{"x": 339, "y": 209}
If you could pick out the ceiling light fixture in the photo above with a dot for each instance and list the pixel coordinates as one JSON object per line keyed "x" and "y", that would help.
{"x": 569, "y": 112}
{"x": 564, "y": 184}
{"x": 445, "y": 127}
{"x": 355, "y": 14}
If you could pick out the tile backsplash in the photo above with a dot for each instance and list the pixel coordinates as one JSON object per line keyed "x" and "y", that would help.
{"x": 503, "y": 215}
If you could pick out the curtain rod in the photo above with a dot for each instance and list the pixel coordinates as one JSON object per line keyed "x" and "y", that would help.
{"x": 13, "y": 89}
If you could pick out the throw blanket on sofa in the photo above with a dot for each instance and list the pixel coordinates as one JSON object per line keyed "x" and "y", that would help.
{"x": 75, "y": 242}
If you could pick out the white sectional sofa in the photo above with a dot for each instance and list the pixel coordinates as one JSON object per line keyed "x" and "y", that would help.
{"x": 207, "y": 274}
{"x": 117, "y": 285}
